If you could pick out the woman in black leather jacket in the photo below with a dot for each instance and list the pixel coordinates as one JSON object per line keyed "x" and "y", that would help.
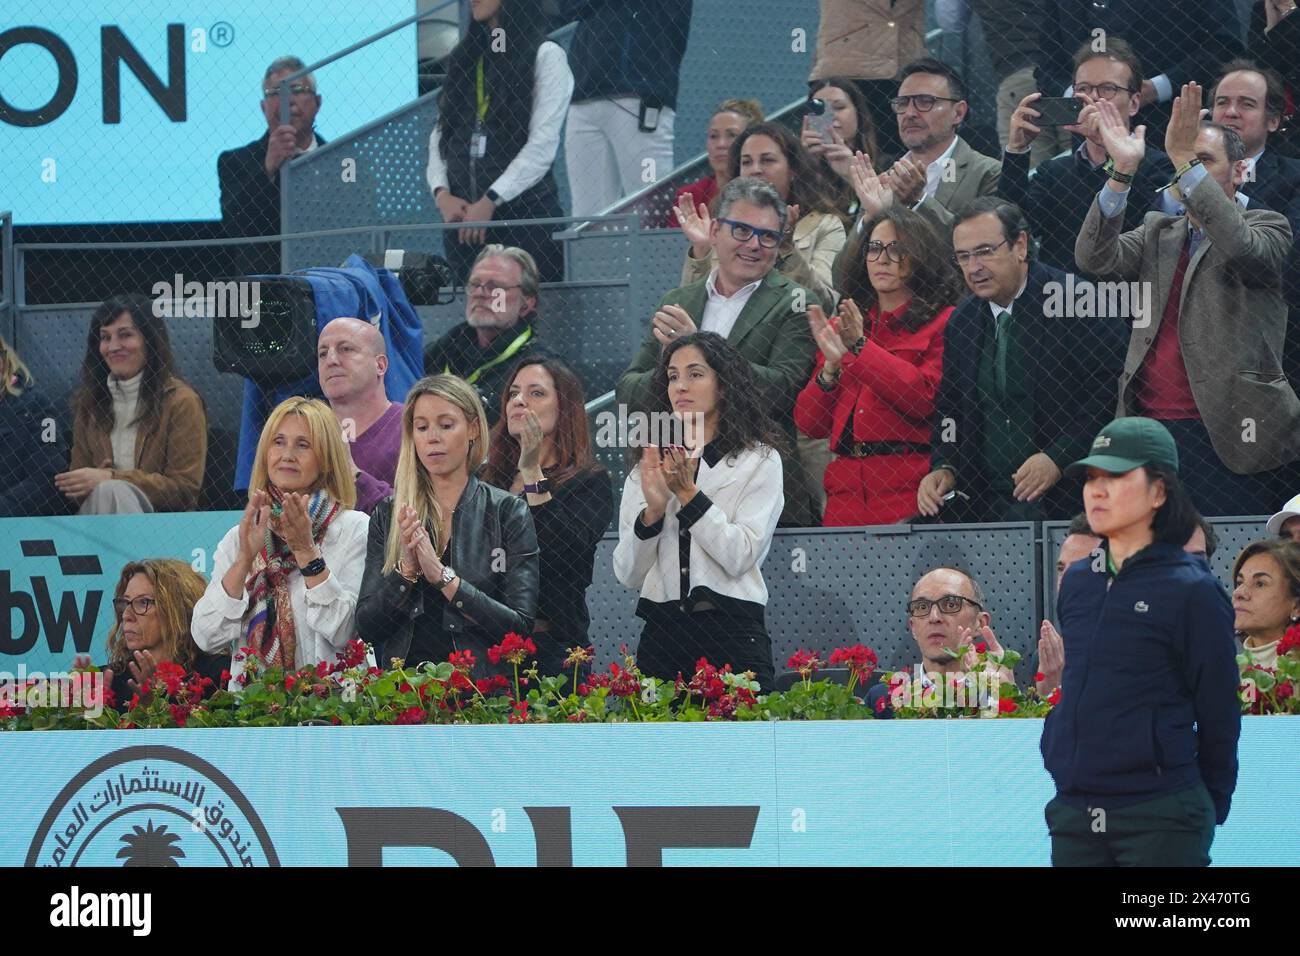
{"x": 451, "y": 563}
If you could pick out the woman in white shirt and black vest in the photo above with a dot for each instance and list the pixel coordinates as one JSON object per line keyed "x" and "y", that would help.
{"x": 499, "y": 118}
{"x": 696, "y": 519}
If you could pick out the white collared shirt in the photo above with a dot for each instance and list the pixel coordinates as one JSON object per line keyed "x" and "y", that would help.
{"x": 934, "y": 172}
{"x": 721, "y": 311}
{"x": 999, "y": 309}
{"x": 323, "y": 615}
{"x": 729, "y": 541}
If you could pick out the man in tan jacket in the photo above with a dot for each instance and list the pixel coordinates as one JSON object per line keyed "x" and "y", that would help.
{"x": 1205, "y": 359}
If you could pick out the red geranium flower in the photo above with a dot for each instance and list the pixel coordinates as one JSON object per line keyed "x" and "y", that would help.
{"x": 859, "y": 659}
{"x": 520, "y": 714}
{"x": 1284, "y": 690}
{"x": 1054, "y": 697}
{"x": 1006, "y": 705}
{"x": 171, "y": 675}
{"x": 623, "y": 683}
{"x": 412, "y": 715}
{"x": 981, "y": 647}
{"x": 513, "y": 649}
{"x": 463, "y": 661}
{"x": 1290, "y": 640}
{"x": 353, "y": 654}
{"x": 490, "y": 685}
{"x": 289, "y": 682}
{"x": 806, "y": 663}
{"x": 1039, "y": 676}
{"x": 180, "y": 713}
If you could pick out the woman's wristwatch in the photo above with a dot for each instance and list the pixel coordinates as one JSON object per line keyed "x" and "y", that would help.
{"x": 313, "y": 567}
{"x": 448, "y": 575}
{"x": 540, "y": 487}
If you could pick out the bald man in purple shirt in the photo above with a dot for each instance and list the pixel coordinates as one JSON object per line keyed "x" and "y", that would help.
{"x": 351, "y": 361}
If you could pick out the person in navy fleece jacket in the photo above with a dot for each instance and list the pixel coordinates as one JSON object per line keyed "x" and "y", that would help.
{"x": 1142, "y": 745}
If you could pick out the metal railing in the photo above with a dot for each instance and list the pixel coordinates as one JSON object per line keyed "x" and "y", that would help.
{"x": 7, "y": 272}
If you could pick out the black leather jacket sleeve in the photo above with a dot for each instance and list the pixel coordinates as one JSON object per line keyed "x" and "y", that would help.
{"x": 496, "y": 557}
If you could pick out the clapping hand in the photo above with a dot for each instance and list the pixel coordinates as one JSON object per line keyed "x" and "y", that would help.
{"x": 696, "y": 225}
{"x": 1184, "y": 125}
{"x": 1051, "y": 658}
{"x": 851, "y": 324}
{"x": 967, "y": 637}
{"x": 872, "y": 193}
{"x": 293, "y": 526}
{"x": 672, "y": 322}
{"x": 252, "y": 526}
{"x": 906, "y": 179}
{"x": 827, "y": 336}
{"x": 417, "y": 548}
{"x": 678, "y": 471}
{"x": 653, "y": 486}
{"x": 1125, "y": 151}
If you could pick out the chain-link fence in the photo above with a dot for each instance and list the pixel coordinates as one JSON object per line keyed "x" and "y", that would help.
{"x": 918, "y": 299}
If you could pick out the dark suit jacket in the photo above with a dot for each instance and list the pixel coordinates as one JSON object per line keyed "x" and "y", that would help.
{"x": 250, "y": 200}
{"x": 1231, "y": 320}
{"x": 1073, "y": 362}
{"x": 772, "y": 333}
{"x": 1186, "y": 39}
{"x": 1276, "y": 186}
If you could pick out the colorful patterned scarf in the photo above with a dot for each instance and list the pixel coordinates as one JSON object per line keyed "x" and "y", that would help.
{"x": 268, "y": 584}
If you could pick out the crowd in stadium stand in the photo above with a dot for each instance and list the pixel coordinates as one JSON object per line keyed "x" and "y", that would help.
{"x": 876, "y": 323}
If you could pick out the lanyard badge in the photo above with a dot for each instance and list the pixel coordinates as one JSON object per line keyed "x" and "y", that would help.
{"x": 478, "y": 139}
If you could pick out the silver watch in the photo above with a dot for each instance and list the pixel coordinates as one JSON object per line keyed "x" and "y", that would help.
{"x": 448, "y": 575}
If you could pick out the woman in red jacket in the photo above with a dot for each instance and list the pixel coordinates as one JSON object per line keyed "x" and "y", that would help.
{"x": 873, "y": 388}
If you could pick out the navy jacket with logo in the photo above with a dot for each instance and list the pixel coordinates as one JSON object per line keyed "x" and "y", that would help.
{"x": 1149, "y": 695}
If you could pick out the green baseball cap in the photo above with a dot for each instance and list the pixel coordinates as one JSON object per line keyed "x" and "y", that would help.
{"x": 1128, "y": 443}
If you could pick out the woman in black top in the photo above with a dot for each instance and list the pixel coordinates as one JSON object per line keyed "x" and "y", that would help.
{"x": 541, "y": 450}
{"x": 34, "y": 448}
{"x": 451, "y": 564}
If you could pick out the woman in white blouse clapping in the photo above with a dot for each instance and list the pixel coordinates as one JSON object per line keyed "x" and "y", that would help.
{"x": 697, "y": 517}
{"x": 285, "y": 580}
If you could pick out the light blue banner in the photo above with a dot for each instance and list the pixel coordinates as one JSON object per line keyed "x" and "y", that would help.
{"x": 58, "y": 575}
{"x": 121, "y": 153}
{"x": 914, "y": 793}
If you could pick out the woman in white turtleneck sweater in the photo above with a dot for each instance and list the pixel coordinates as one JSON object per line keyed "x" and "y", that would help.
{"x": 140, "y": 434}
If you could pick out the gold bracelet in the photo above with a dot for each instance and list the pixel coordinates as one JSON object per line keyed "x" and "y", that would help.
{"x": 408, "y": 577}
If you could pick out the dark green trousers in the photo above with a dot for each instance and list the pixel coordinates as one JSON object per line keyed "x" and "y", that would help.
{"x": 1173, "y": 830}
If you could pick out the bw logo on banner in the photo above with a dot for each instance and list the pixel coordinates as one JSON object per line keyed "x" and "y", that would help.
{"x": 151, "y": 806}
